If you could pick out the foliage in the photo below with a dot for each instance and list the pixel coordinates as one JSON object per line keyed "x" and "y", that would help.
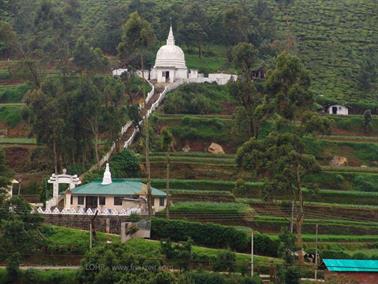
{"x": 78, "y": 110}
{"x": 125, "y": 164}
{"x": 19, "y": 232}
{"x": 288, "y": 83}
{"x": 180, "y": 253}
{"x": 13, "y": 93}
{"x": 289, "y": 274}
{"x": 196, "y": 99}
{"x": 225, "y": 261}
{"x": 286, "y": 248}
{"x": 210, "y": 129}
{"x": 11, "y": 115}
{"x": 212, "y": 235}
{"x": 87, "y": 58}
{"x": 194, "y": 277}
{"x": 368, "y": 120}
{"x": 112, "y": 264}
{"x": 137, "y": 37}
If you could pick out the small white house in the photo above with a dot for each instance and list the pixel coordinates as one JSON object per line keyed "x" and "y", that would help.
{"x": 119, "y": 72}
{"x": 338, "y": 110}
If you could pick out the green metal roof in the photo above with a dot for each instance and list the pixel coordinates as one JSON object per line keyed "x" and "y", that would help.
{"x": 351, "y": 265}
{"x": 118, "y": 187}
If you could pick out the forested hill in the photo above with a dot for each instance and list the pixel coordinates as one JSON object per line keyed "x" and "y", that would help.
{"x": 337, "y": 39}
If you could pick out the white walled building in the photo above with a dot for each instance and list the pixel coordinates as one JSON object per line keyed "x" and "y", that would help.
{"x": 170, "y": 62}
{"x": 170, "y": 66}
{"x": 338, "y": 110}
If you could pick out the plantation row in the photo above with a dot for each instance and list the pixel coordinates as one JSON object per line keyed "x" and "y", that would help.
{"x": 337, "y": 178}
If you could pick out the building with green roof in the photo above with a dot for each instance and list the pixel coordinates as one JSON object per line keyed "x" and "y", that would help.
{"x": 113, "y": 194}
{"x": 363, "y": 271}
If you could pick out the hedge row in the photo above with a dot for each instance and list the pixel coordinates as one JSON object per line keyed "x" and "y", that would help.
{"x": 345, "y": 181}
{"x": 212, "y": 235}
{"x": 275, "y": 225}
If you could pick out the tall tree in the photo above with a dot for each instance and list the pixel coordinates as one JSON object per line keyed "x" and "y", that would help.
{"x": 368, "y": 120}
{"x": 19, "y": 230}
{"x": 236, "y": 24}
{"x": 167, "y": 144}
{"x": 137, "y": 38}
{"x": 280, "y": 158}
{"x": 282, "y": 162}
{"x": 289, "y": 86}
{"x": 7, "y": 39}
{"x": 193, "y": 26}
{"x": 251, "y": 101}
{"x": 88, "y": 58}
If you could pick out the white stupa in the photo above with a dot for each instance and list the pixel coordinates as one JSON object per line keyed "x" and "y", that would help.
{"x": 170, "y": 63}
{"x": 107, "y": 178}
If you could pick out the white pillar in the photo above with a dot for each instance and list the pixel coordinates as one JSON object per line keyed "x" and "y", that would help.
{"x": 56, "y": 189}
{"x": 67, "y": 202}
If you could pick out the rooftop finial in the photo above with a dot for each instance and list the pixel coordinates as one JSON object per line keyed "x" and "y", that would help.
{"x": 171, "y": 38}
{"x": 107, "y": 179}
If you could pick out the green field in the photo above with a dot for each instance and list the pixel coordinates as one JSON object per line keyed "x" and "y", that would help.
{"x": 11, "y": 114}
{"x": 18, "y": 140}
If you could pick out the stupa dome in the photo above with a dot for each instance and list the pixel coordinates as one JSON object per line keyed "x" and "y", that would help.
{"x": 170, "y": 55}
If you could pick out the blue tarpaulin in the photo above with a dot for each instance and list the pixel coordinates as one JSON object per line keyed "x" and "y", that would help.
{"x": 351, "y": 265}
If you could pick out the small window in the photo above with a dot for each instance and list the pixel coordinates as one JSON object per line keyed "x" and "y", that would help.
{"x": 80, "y": 200}
{"x": 71, "y": 200}
{"x": 101, "y": 200}
{"x": 161, "y": 201}
{"x": 117, "y": 200}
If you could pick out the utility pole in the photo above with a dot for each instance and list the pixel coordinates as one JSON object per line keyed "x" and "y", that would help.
{"x": 252, "y": 254}
{"x": 316, "y": 252}
{"x": 90, "y": 235}
{"x": 92, "y": 230}
{"x": 292, "y": 217}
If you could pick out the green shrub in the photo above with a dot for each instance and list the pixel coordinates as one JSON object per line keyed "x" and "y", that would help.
{"x": 350, "y": 181}
{"x": 334, "y": 254}
{"x": 4, "y": 74}
{"x": 216, "y": 278}
{"x": 197, "y": 99}
{"x": 125, "y": 164}
{"x": 225, "y": 261}
{"x": 212, "y": 235}
{"x": 10, "y": 115}
{"x": 200, "y": 208}
{"x": 209, "y": 129}
{"x": 49, "y": 276}
{"x": 13, "y": 93}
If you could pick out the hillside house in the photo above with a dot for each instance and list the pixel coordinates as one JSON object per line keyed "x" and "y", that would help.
{"x": 338, "y": 110}
{"x": 113, "y": 194}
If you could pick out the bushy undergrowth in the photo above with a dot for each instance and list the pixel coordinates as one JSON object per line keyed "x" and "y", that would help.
{"x": 200, "y": 208}
{"x": 211, "y": 129}
{"x": 345, "y": 181}
{"x": 212, "y": 235}
{"x": 13, "y": 93}
{"x": 197, "y": 99}
{"x": 11, "y": 115}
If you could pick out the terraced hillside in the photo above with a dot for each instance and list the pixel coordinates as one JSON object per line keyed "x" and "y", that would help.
{"x": 333, "y": 38}
{"x": 207, "y": 187}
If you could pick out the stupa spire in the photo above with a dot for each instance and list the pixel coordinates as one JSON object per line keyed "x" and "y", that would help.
{"x": 171, "y": 38}
{"x": 107, "y": 179}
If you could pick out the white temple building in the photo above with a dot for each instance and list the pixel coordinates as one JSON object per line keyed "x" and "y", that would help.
{"x": 170, "y": 67}
{"x": 170, "y": 64}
